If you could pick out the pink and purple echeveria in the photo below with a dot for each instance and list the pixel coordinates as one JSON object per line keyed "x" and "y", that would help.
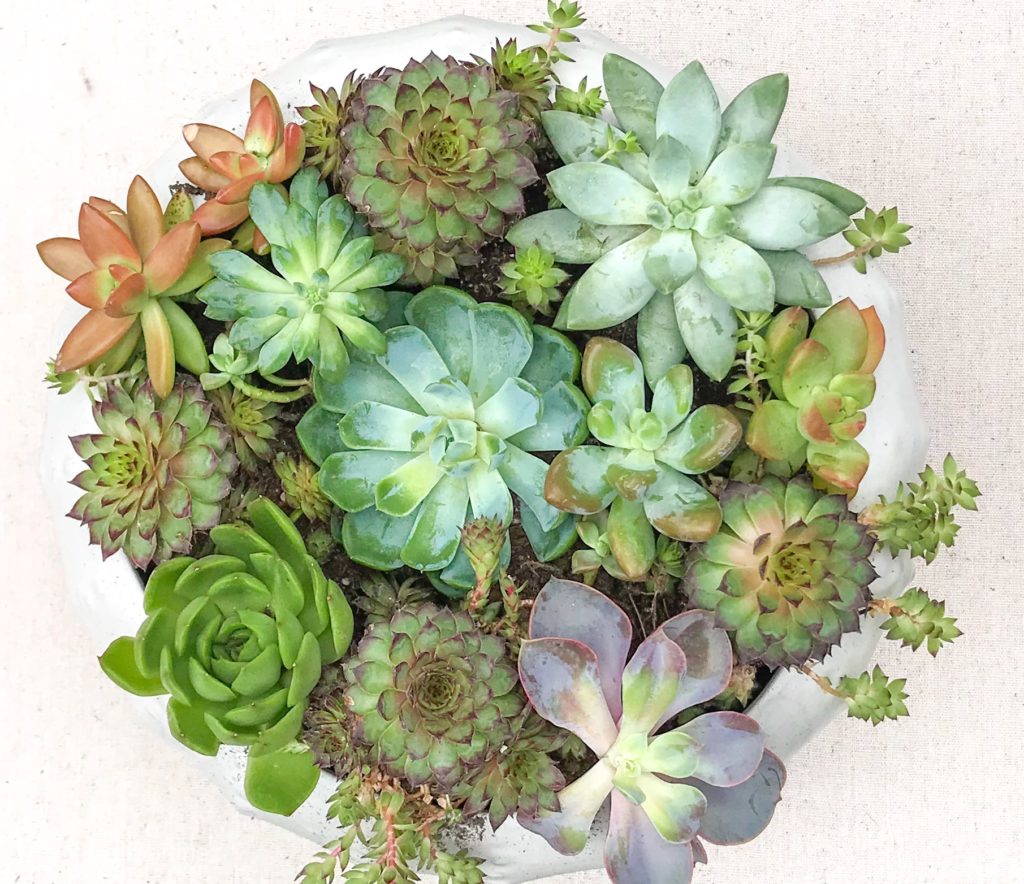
{"x": 710, "y": 779}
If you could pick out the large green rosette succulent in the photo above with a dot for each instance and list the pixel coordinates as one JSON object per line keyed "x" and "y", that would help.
{"x": 436, "y": 158}
{"x": 238, "y": 639}
{"x": 787, "y": 574}
{"x": 688, "y": 226}
{"x": 431, "y": 695}
{"x": 642, "y": 470}
{"x": 328, "y": 284}
{"x": 438, "y": 431}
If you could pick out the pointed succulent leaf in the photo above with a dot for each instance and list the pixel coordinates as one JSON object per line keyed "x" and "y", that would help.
{"x": 690, "y": 113}
{"x": 797, "y": 280}
{"x": 673, "y": 396}
{"x": 671, "y": 260}
{"x": 845, "y": 200}
{"x": 659, "y": 341}
{"x": 780, "y": 218}
{"x": 737, "y": 173}
{"x": 682, "y": 509}
{"x": 843, "y": 332}
{"x": 602, "y": 194}
{"x": 754, "y": 114}
{"x": 735, "y": 272}
{"x": 612, "y": 372}
{"x": 708, "y": 326}
{"x": 634, "y": 95}
{"x": 568, "y": 237}
{"x": 671, "y": 168}
{"x": 705, "y": 439}
{"x": 630, "y": 538}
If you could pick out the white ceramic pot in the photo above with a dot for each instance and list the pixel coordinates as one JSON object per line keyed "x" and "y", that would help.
{"x": 792, "y": 709}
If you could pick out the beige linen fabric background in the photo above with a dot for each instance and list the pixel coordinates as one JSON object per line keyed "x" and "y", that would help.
{"x": 917, "y": 103}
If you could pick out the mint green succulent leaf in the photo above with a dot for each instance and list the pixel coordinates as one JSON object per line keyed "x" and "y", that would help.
{"x": 577, "y": 480}
{"x": 562, "y": 679}
{"x": 443, "y": 314}
{"x": 525, "y": 476}
{"x": 772, "y": 432}
{"x": 374, "y": 539}
{"x": 308, "y": 191}
{"x": 690, "y": 113}
{"x": 119, "y": 664}
{"x": 754, "y": 114}
{"x": 705, "y": 439}
{"x": 671, "y": 168}
{"x": 564, "y": 409}
{"x": 659, "y": 341}
{"x": 268, "y": 207}
{"x": 280, "y": 782}
{"x": 579, "y": 139}
{"x": 779, "y": 218}
{"x": 548, "y": 545}
{"x": 736, "y": 273}
{"x": 613, "y": 288}
{"x": 650, "y": 683}
{"x": 630, "y": 537}
{"x": 634, "y": 95}
{"x": 738, "y": 814}
{"x": 680, "y": 508}
{"x": 602, "y": 194}
{"x": 567, "y": 830}
{"x": 353, "y": 255}
{"x": 612, "y": 372}
{"x": 435, "y": 536}
{"x": 334, "y": 219}
{"x": 363, "y": 381}
{"x": 845, "y": 200}
{"x": 317, "y": 432}
{"x": 673, "y": 396}
{"x": 349, "y": 478}
{"x": 412, "y": 360}
{"x": 568, "y": 237}
{"x": 737, "y": 173}
{"x": 797, "y": 280}
{"x": 671, "y": 260}
{"x": 672, "y": 754}
{"x": 635, "y": 851}
{"x": 381, "y": 427}
{"x": 502, "y": 341}
{"x": 674, "y": 809}
{"x": 554, "y": 359}
{"x": 708, "y": 327}
{"x": 401, "y": 492}
{"x": 731, "y": 746}
{"x": 239, "y": 269}
{"x": 489, "y": 495}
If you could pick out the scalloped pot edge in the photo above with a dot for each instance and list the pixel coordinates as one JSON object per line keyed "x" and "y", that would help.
{"x": 792, "y": 709}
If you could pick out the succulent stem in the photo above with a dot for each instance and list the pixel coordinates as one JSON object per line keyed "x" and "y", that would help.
{"x": 270, "y": 395}
{"x": 286, "y": 382}
{"x": 851, "y": 255}
{"x": 822, "y": 682}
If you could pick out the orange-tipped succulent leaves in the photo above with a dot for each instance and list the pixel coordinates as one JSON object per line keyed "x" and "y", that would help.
{"x": 229, "y": 166}
{"x": 823, "y": 382}
{"x": 126, "y": 267}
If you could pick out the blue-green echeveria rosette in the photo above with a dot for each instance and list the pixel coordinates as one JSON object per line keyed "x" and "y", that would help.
{"x": 238, "y": 639}
{"x": 690, "y": 226}
{"x": 709, "y": 779}
{"x": 439, "y": 430}
{"x": 644, "y": 471}
{"x": 329, "y": 284}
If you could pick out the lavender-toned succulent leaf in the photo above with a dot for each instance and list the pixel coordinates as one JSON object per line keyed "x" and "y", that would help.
{"x": 635, "y": 852}
{"x": 740, "y": 813}
{"x": 651, "y": 683}
{"x": 731, "y": 746}
{"x": 708, "y": 659}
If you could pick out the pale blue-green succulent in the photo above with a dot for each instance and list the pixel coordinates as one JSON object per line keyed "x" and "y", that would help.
{"x": 690, "y": 227}
{"x": 328, "y": 285}
{"x": 437, "y": 431}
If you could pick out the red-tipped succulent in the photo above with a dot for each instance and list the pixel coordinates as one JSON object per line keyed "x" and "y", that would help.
{"x": 126, "y": 267}
{"x": 229, "y": 166}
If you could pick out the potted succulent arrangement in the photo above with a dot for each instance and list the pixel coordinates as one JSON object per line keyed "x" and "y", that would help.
{"x": 512, "y": 473}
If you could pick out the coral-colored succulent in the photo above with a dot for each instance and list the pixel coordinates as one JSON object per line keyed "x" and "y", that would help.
{"x": 126, "y": 267}
{"x": 229, "y": 166}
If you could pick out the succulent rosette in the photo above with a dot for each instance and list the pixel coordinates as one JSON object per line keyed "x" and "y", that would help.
{"x": 787, "y": 574}
{"x": 437, "y": 159}
{"x": 687, "y": 225}
{"x": 439, "y": 430}
{"x": 156, "y": 472}
{"x": 642, "y": 471}
{"x": 238, "y": 639}
{"x": 710, "y": 779}
{"x": 228, "y": 166}
{"x": 431, "y": 695}
{"x": 127, "y": 268}
{"x": 823, "y": 382}
{"x": 330, "y": 282}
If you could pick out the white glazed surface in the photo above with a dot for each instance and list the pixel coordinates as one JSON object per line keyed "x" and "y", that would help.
{"x": 791, "y": 709}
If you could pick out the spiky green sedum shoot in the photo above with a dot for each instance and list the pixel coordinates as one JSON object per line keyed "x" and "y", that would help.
{"x": 437, "y": 159}
{"x": 323, "y": 121}
{"x": 915, "y": 620}
{"x": 252, "y": 423}
{"x": 787, "y": 574}
{"x": 531, "y": 280}
{"x": 432, "y": 697}
{"x": 873, "y": 696}
{"x": 156, "y": 472}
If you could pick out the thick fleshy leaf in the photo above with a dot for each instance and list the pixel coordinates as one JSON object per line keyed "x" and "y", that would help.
{"x": 279, "y": 782}
{"x": 810, "y": 366}
{"x": 159, "y": 348}
{"x": 207, "y": 140}
{"x": 708, "y": 653}
{"x": 707, "y": 437}
{"x": 754, "y": 114}
{"x": 104, "y": 241}
{"x": 515, "y": 407}
{"x": 674, "y": 809}
{"x": 145, "y": 217}
{"x": 659, "y": 341}
{"x": 564, "y": 424}
{"x": 650, "y": 683}
{"x": 443, "y": 314}
{"x": 735, "y": 272}
{"x": 363, "y": 381}
{"x": 842, "y": 331}
{"x": 579, "y": 139}
{"x": 382, "y": 427}
{"x": 780, "y": 218}
{"x": 673, "y": 396}
{"x": 489, "y": 495}
{"x": 349, "y": 478}
{"x": 568, "y": 237}
{"x": 413, "y": 361}
{"x": 843, "y": 199}
{"x": 525, "y": 474}
{"x": 602, "y": 194}
{"x": 636, "y": 854}
{"x": 671, "y": 260}
{"x": 171, "y": 256}
{"x": 797, "y": 280}
{"x": 737, "y": 173}
{"x": 772, "y": 431}
{"x": 374, "y": 539}
{"x": 576, "y": 481}
{"x": 318, "y": 434}
{"x": 689, "y": 112}
{"x": 436, "y": 535}
{"x": 630, "y": 538}
{"x": 401, "y": 492}
{"x": 119, "y": 664}
{"x": 501, "y": 344}
{"x": 562, "y": 679}
{"x": 65, "y": 257}
{"x": 682, "y": 509}
{"x": 567, "y": 609}
{"x": 671, "y": 755}
{"x": 730, "y": 747}
{"x": 671, "y": 168}
{"x": 634, "y": 95}
{"x": 548, "y": 545}
{"x": 612, "y": 290}
{"x": 841, "y": 465}
{"x": 568, "y": 829}
{"x": 738, "y": 814}
{"x": 708, "y": 327}
{"x": 612, "y": 372}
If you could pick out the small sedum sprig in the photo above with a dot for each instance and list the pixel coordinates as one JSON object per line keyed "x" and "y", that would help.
{"x": 874, "y": 233}
{"x": 914, "y": 620}
{"x": 920, "y": 516}
{"x": 750, "y": 369}
{"x": 870, "y": 696}
{"x": 531, "y": 280}
{"x": 581, "y": 100}
{"x": 563, "y": 17}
